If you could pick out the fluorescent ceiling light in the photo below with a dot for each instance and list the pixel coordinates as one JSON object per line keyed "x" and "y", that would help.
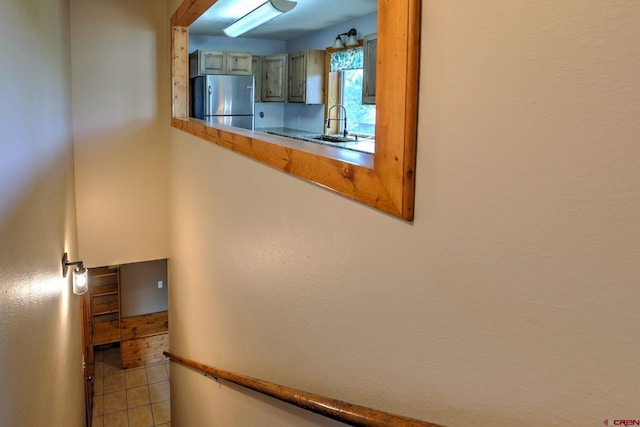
{"x": 259, "y": 16}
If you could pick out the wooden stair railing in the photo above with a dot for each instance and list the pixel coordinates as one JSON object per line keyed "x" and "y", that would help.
{"x": 345, "y": 412}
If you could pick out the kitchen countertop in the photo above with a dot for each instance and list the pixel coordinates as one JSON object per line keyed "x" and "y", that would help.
{"x": 363, "y": 145}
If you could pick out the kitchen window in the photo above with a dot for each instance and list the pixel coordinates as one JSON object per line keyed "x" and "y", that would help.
{"x": 348, "y": 64}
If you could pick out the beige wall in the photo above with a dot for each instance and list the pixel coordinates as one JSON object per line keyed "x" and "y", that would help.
{"x": 510, "y": 300}
{"x": 120, "y": 68}
{"x": 139, "y": 292}
{"x": 40, "y": 347}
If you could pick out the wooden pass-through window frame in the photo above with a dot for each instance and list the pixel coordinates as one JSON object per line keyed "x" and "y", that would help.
{"x": 385, "y": 180}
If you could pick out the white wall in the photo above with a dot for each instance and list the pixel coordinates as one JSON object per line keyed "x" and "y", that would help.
{"x": 40, "y": 341}
{"x": 510, "y": 300}
{"x": 121, "y": 85}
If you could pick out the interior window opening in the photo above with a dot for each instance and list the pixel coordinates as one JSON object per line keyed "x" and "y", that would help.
{"x": 377, "y": 170}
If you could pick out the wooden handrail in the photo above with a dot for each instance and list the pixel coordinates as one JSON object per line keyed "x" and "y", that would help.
{"x": 338, "y": 410}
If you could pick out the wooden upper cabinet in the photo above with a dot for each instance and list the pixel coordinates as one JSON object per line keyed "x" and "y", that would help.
{"x": 203, "y": 62}
{"x": 239, "y": 63}
{"x": 369, "y": 69}
{"x": 274, "y": 78}
{"x": 297, "y": 70}
{"x": 256, "y": 69}
{"x": 306, "y": 77}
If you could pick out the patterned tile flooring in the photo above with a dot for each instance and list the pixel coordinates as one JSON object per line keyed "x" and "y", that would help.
{"x": 135, "y": 397}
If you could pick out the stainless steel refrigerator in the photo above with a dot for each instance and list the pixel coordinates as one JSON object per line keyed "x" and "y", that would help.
{"x": 223, "y": 99}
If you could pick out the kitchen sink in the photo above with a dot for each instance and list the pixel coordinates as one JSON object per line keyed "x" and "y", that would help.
{"x": 334, "y": 138}
{"x": 353, "y": 141}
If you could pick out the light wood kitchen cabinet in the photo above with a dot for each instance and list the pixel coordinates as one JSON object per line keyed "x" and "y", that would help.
{"x": 274, "y": 78}
{"x": 203, "y": 62}
{"x": 370, "y": 44}
{"x": 306, "y": 77}
{"x": 104, "y": 292}
{"x": 256, "y": 68}
{"x": 239, "y": 63}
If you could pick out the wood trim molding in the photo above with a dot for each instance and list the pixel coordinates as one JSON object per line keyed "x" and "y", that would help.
{"x": 387, "y": 184}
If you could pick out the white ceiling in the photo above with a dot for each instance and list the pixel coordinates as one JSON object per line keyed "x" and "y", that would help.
{"x": 307, "y": 16}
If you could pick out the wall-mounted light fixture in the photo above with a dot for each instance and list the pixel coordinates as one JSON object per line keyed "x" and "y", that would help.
{"x": 351, "y": 39}
{"x": 80, "y": 275}
{"x": 259, "y": 16}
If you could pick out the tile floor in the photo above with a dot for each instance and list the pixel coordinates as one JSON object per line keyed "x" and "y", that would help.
{"x": 135, "y": 397}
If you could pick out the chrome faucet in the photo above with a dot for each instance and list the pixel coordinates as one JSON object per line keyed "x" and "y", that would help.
{"x": 344, "y": 132}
